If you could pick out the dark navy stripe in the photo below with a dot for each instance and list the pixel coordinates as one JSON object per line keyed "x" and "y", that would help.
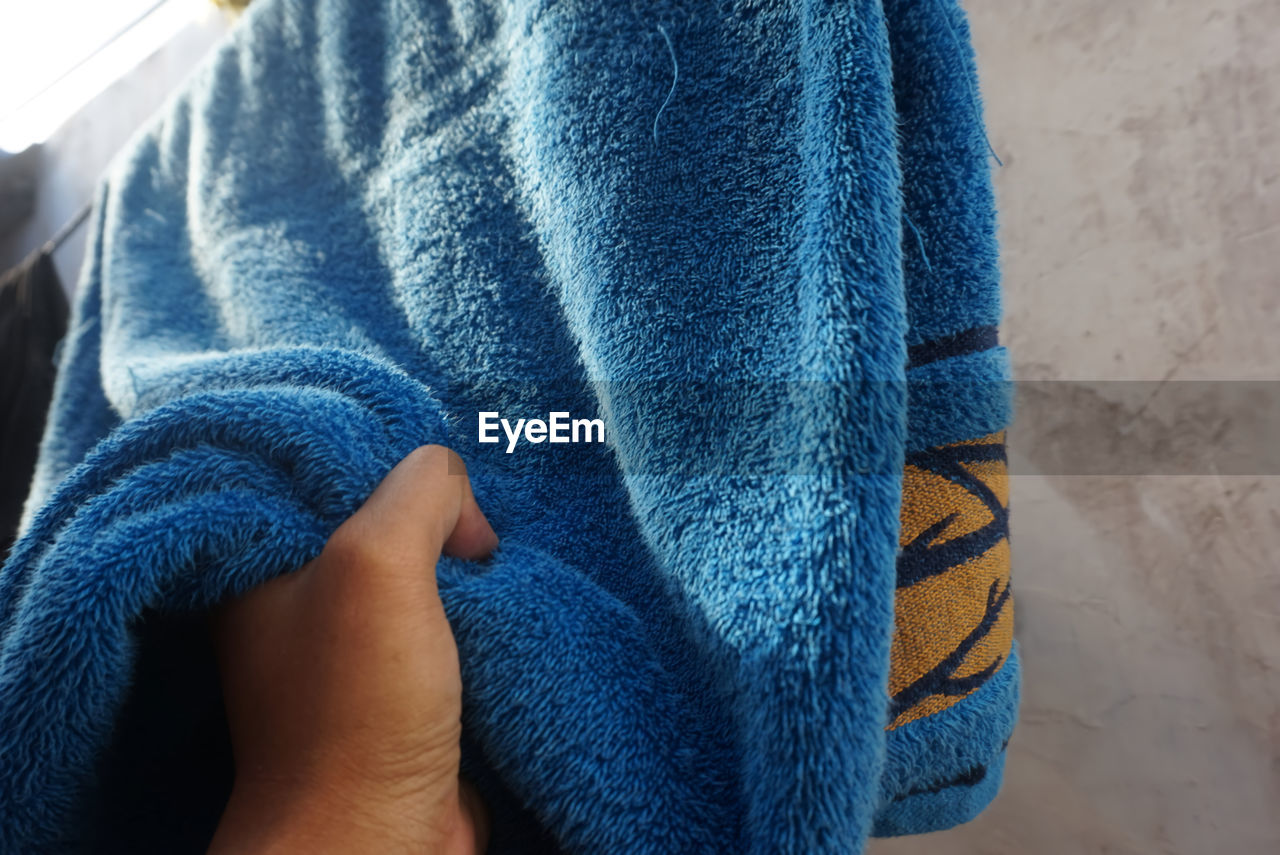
{"x": 941, "y": 679}
{"x": 966, "y": 341}
{"x": 920, "y": 559}
{"x": 969, "y": 777}
{"x": 944, "y": 455}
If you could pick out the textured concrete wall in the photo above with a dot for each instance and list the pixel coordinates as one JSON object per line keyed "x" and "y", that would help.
{"x": 1140, "y": 212}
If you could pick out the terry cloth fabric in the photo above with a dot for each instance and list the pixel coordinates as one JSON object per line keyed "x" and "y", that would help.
{"x": 33, "y": 319}
{"x": 769, "y": 614}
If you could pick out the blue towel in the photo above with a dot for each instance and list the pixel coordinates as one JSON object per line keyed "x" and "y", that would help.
{"x": 768, "y": 613}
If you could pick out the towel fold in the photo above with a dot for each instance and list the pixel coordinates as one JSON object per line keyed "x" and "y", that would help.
{"x": 769, "y": 613}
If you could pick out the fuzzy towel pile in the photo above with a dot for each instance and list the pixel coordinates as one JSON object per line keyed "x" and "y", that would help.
{"x": 770, "y": 613}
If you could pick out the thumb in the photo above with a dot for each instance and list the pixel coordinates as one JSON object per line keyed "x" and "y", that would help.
{"x": 424, "y": 506}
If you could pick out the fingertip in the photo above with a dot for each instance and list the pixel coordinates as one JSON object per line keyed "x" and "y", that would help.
{"x": 472, "y": 538}
{"x": 430, "y": 484}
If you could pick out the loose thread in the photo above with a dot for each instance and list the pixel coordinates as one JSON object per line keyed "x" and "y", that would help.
{"x": 675, "y": 75}
{"x": 919, "y": 241}
{"x": 968, "y": 82}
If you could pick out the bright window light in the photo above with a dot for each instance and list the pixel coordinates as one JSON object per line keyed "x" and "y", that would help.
{"x": 56, "y": 55}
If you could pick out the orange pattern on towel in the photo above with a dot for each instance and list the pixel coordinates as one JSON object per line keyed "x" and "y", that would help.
{"x": 953, "y": 624}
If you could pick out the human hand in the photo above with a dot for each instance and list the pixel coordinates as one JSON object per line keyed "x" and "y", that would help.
{"x": 342, "y": 685}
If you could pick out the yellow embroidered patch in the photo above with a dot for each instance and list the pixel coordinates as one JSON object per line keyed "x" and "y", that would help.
{"x": 953, "y": 623}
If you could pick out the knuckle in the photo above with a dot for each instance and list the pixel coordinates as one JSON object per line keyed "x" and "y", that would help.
{"x": 431, "y": 459}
